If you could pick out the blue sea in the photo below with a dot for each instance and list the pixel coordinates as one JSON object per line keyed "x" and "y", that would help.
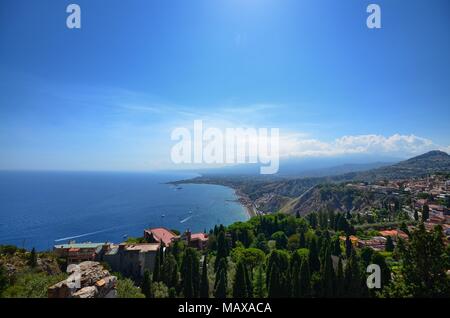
{"x": 40, "y": 209}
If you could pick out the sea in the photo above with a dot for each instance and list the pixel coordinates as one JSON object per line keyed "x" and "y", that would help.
{"x": 42, "y": 209}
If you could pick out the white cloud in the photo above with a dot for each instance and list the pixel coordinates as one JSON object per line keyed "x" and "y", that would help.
{"x": 402, "y": 145}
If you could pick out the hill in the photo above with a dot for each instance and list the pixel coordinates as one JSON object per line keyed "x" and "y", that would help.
{"x": 276, "y": 193}
{"x": 420, "y": 166}
{"x": 338, "y": 197}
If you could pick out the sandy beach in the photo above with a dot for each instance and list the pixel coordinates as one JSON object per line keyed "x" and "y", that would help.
{"x": 246, "y": 202}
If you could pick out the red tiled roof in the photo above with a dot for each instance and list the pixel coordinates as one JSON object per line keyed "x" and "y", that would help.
{"x": 394, "y": 233}
{"x": 199, "y": 236}
{"x": 162, "y": 234}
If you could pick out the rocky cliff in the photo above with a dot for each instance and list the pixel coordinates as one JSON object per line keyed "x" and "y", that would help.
{"x": 86, "y": 280}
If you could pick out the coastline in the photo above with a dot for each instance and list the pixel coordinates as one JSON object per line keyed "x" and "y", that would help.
{"x": 245, "y": 201}
{"x": 242, "y": 198}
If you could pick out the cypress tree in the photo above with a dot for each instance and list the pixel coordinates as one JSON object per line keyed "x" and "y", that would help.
{"x": 366, "y": 254}
{"x": 343, "y": 224}
{"x": 169, "y": 271}
{"x": 404, "y": 228}
{"x": 389, "y": 247}
{"x": 278, "y": 274}
{"x": 340, "y": 279}
{"x": 302, "y": 239}
{"x": 337, "y": 247}
{"x": 222, "y": 249}
{"x": 147, "y": 285}
{"x": 273, "y": 287}
{"x": 248, "y": 282}
{"x": 240, "y": 283}
{"x": 204, "y": 283}
{"x": 312, "y": 218}
{"x": 259, "y": 283}
{"x": 295, "y": 269}
{"x": 161, "y": 253}
{"x": 190, "y": 273}
{"x": 425, "y": 213}
{"x": 33, "y": 258}
{"x": 352, "y": 277}
{"x": 305, "y": 279}
{"x": 314, "y": 262}
{"x": 157, "y": 268}
{"x": 220, "y": 289}
{"x": 337, "y": 221}
{"x": 328, "y": 275}
{"x": 348, "y": 246}
{"x": 195, "y": 272}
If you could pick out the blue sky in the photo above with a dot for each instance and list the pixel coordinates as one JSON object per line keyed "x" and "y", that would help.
{"x": 106, "y": 97}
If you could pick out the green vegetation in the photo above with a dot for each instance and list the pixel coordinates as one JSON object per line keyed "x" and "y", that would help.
{"x": 424, "y": 262}
{"x": 318, "y": 265}
{"x": 127, "y": 289}
{"x": 27, "y": 274}
{"x": 31, "y": 285}
{"x": 147, "y": 285}
{"x": 389, "y": 245}
{"x": 204, "y": 283}
{"x": 274, "y": 255}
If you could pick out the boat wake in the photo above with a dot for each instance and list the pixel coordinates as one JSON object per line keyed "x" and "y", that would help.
{"x": 81, "y": 235}
{"x": 186, "y": 219}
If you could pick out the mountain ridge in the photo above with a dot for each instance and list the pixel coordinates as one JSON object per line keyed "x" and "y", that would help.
{"x": 337, "y": 196}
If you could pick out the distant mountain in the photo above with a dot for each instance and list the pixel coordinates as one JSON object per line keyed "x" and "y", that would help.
{"x": 308, "y": 167}
{"x": 428, "y": 163}
{"x": 339, "y": 170}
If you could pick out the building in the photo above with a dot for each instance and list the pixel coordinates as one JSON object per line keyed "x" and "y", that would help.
{"x": 436, "y": 208}
{"x": 131, "y": 260}
{"x": 160, "y": 235}
{"x": 195, "y": 240}
{"x": 436, "y": 219}
{"x": 76, "y": 253}
{"x": 378, "y": 243}
{"x": 394, "y": 234}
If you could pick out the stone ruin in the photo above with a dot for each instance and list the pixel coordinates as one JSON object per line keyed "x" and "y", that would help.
{"x": 86, "y": 280}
